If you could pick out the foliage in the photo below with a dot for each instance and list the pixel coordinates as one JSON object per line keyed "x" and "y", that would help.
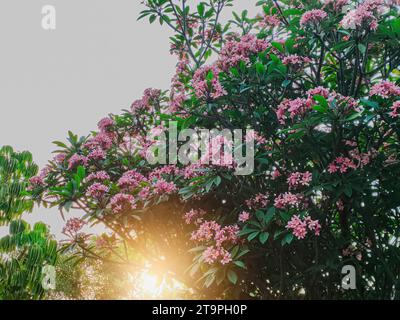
{"x": 319, "y": 82}
{"x": 15, "y": 171}
{"x": 23, "y": 254}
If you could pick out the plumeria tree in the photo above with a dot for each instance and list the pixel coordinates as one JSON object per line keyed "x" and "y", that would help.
{"x": 318, "y": 81}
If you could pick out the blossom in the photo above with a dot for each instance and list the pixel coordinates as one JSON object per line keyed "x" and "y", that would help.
{"x": 150, "y": 96}
{"x": 364, "y": 16}
{"x": 99, "y": 176}
{"x": 130, "y": 180}
{"x": 60, "y": 157}
{"x": 97, "y": 190}
{"x": 244, "y": 216}
{"x": 73, "y": 226}
{"x": 105, "y": 124}
{"x": 259, "y": 201}
{"x": 294, "y": 107}
{"x": 102, "y": 141}
{"x": 75, "y": 160}
{"x": 385, "y": 89}
{"x": 313, "y": 17}
{"x": 299, "y": 227}
{"x": 206, "y": 85}
{"x": 295, "y": 60}
{"x": 270, "y": 21}
{"x": 212, "y": 254}
{"x": 395, "y": 109}
{"x": 235, "y": 51}
{"x": 36, "y": 182}
{"x": 297, "y": 178}
{"x": 286, "y": 200}
{"x": 194, "y": 216}
{"x": 96, "y": 154}
{"x": 122, "y": 201}
{"x": 164, "y": 187}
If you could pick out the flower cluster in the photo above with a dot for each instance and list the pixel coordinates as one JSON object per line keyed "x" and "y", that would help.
{"x": 194, "y": 216}
{"x": 344, "y": 164}
{"x": 287, "y": 200}
{"x": 150, "y": 96}
{"x": 97, "y": 190}
{"x": 76, "y": 160}
{"x": 73, "y": 226}
{"x": 235, "y": 51}
{"x": 313, "y": 17}
{"x": 98, "y": 176}
{"x": 206, "y": 82}
{"x": 213, "y": 231}
{"x": 299, "y": 179}
{"x": 259, "y": 201}
{"x": 385, "y": 89}
{"x": 299, "y": 227}
{"x": 130, "y": 180}
{"x": 295, "y": 60}
{"x": 364, "y": 16}
{"x": 121, "y": 202}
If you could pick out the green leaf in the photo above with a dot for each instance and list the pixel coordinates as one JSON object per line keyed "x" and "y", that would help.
{"x": 253, "y": 235}
{"x": 264, "y": 237}
{"x": 232, "y": 276}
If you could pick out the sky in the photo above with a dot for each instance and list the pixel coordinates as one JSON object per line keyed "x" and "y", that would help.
{"x": 97, "y": 61}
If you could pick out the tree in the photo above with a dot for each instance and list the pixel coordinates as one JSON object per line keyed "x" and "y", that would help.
{"x": 319, "y": 84}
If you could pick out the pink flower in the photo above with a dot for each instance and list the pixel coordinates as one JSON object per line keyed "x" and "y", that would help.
{"x": 235, "y": 51}
{"x": 244, "y": 216}
{"x": 75, "y": 160}
{"x": 286, "y": 200}
{"x": 395, "y": 109}
{"x": 164, "y": 187}
{"x": 150, "y": 96}
{"x": 121, "y": 202}
{"x": 73, "y": 226}
{"x": 105, "y": 124}
{"x": 194, "y": 216}
{"x": 385, "y": 89}
{"x": 96, "y": 154}
{"x": 100, "y": 141}
{"x": 297, "y": 178}
{"x": 59, "y": 158}
{"x": 364, "y": 16}
{"x": 213, "y": 254}
{"x": 299, "y": 226}
{"x": 295, "y": 60}
{"x": 259, "y": 201}
{"x": 97, "y": 190}
{"x": 99, "y": 176}
{"x": 313, "y": 17}
{"x": 130, "y": 180}
{"x": 206, "y": 87}
{"x": 36, "y": 182}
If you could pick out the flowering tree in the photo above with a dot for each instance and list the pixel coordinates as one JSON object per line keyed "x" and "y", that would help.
{"x": 318, "y": 82}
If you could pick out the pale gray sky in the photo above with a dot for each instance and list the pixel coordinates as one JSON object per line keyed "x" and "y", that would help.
{"x": 97, "y": 61}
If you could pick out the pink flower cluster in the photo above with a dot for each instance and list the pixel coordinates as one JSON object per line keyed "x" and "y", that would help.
{"x": 287, "y": 200}
{"x": 212, "y": 231}
{"x": 76, "y": 160}
{"x": 244, "y": 216}
{"x": 59, "y": 158}
{"x": 337, "y": 5}
{"x": 385, "y": 89}
{"x": 36, "y": 182}
{"x": 96, "y": 155}
{"x": 254, "y": 136}
{"x": 299, "y": 179}
{"x": 194, "y": 216}
{"x": 97, "y": 190}
{"x": 164, "y": 187}
{"x": 121, "y": 202}
{"x": 364, "y": 16}
{"x": 213, "y": 254}
{"x": 270, "y": 21}
{"x": 259, "y": 201}
{"x": 235, "y": 50}
{"x": 98, "y": 176}
{"x": 313, "y": 17}
{"x": 73, "y": 226}
{"x": 131, "y": 180}
{"x": 102, "y": 141}
{"x": 105, "y": 124}
{"x": 150, "y": 96}
{"x": 344, "y": 164}
{"x": 395, "y": 109}
{"x": 205, "y": 87}
{"x": 295, "y": 60}
{"x": 299, "y": 227}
